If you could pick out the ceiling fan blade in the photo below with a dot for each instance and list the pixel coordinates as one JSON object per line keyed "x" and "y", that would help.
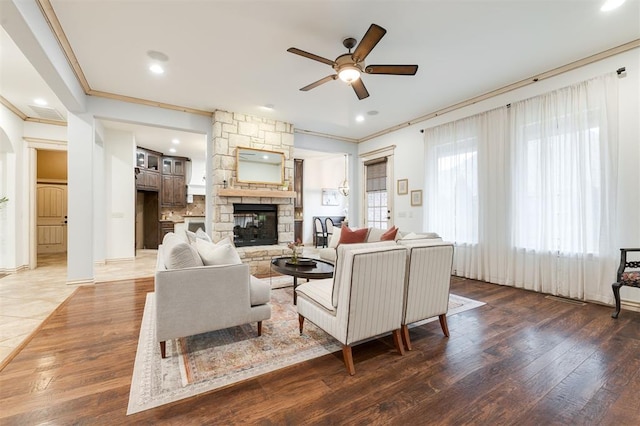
{"x": 368, "y": 42}
{"x": 319, "y": 82}
{"x": 358, "y": 87}
{"x": 311, "y": 56}
{"x": 392, "y": 69}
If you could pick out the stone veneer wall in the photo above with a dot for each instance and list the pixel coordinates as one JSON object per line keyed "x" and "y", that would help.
{"x": 233, "y": 130}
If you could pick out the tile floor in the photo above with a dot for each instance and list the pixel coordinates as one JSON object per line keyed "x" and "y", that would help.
{"x": 28, "y": 297}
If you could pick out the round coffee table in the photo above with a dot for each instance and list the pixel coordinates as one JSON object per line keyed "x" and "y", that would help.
{"x": 306, "y": 268}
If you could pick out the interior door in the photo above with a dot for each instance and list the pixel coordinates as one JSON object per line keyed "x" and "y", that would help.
{"x": 52, "y": 218}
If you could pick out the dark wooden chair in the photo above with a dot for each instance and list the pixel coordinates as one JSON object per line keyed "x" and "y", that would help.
{"x": 319, "y": 232}
{"x": 628, "y": 274}
{"x": 328, "y": 228}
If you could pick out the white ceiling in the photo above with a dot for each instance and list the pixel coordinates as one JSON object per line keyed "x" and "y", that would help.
{"x": 231, "y": 55}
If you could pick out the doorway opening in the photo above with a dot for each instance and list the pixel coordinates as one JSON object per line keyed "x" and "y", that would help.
{"x": 51, "y": 207}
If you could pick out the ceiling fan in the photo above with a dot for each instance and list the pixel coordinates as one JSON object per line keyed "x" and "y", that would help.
{"x": 350, "y": 66}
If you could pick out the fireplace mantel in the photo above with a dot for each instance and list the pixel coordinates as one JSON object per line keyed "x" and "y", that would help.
{"x": 238, "y": 192}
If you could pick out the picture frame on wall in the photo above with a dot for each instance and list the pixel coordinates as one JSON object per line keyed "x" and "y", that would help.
{"x": 330, "y": 197}
{"x": 403, "y": 186}
{"x": 416, "y": 197}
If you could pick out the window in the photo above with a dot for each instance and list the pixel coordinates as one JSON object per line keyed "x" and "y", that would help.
{"x": 376, "y": 193}
{"x": 557, "y": 184}
{"x": 453, "y": 204}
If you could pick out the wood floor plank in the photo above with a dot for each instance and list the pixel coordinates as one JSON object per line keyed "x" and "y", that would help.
{"x": 519, "y": 359}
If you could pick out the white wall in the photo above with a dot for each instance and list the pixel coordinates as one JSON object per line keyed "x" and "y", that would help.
{"x": 99, "y": 203}
{"x": 119, "y": 155}
{"x": 36, "y": 130}
{"x": 409, "y": 152}
{"x": 321, "y": 172}
{"x": 408, "y": 163}
{"x": 320, "y": 144}
{"x": 80, "y": 200}
{"x": 13, "y": 251}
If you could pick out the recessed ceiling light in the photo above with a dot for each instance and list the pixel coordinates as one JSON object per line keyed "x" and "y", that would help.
{"x": 267, "y": 107}
{"x": 266, "y": 157}
{"x": 175, "y": 141}
{"x": 360, "y": 118}
{"x": 172, "y": 150}
{"x": 40, "y": 101}
{"x": 157, "y": 56}
{"x": 156, "y": 69}
{"x": 611, "y": 4}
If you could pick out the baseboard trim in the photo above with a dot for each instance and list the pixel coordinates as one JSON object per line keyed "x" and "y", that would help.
{"x": 82, "y": 282}
{"x": 14, "y": 270}
{"x": 119, "y": 260}
{"x": 630, "y": 306}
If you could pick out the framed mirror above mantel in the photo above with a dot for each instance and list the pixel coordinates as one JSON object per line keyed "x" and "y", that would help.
{"x": 259, "y": 166}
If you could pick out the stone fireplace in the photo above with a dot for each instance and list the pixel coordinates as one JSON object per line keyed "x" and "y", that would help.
{"x": 230, "y": 131}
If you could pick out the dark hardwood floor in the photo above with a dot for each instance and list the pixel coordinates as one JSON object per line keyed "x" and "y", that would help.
{"x": 521, "y": 359}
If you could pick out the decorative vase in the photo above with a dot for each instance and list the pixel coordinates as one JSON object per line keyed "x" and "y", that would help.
{"x": 294, "y": 255}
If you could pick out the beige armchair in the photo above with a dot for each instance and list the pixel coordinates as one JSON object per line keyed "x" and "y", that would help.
{"x": 427, "y": 286}
{"x": 364, "y": 299}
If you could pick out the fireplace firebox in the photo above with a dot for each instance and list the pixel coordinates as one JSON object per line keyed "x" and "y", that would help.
{"x": 255, "y": 224}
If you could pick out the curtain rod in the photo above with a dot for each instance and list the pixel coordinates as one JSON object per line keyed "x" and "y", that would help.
{"x": 620, "y": 71}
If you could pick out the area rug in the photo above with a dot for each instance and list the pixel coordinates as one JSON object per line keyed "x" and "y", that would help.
{"x": 214, "y": 360}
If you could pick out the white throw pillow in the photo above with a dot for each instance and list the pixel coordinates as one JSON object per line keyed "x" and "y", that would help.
{"x": 203, "y": 235}
{"x": 178, "y": 255}
{"x": 414, "y": 236}
{"x": 217, "y": 254}
{"x": 191, "y": 236}
{"x": 335, "y": 237}
{"x": 375, "y": 234}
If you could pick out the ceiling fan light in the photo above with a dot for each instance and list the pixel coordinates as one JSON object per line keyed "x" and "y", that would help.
{"x": 349, "y": 74}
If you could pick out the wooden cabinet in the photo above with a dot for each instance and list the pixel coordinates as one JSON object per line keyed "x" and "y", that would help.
{"x": 165, "y": 228}
{"x": 298, "y": 169}
{"x": 147, "y": 170}
{"x": 174, "y": 190}
{"x": 298, "y": 225}
{"x": 297, "y": 230}
{"x": 173, "y": 166}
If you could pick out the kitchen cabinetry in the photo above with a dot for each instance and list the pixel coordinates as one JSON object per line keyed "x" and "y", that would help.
{"x": 174, "y": 191}
{"x": 298, "y": 168}
{"x": 165, "y": 228}
{"x": 147, "y": 170}
{"x": 298, "y": 225}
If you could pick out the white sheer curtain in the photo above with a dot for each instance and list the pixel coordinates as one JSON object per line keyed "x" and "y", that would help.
{"x": 528, "y": 193}
{"x": 467, "y": 167}
{"x": 564, "y": 146}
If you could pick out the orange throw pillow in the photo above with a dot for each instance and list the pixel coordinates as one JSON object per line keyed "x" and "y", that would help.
{"x": 347, "y": 236}
{"x": 390, "y": 235}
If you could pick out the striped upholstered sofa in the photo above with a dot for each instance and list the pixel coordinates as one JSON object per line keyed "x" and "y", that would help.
{"x": 373, "y": 236}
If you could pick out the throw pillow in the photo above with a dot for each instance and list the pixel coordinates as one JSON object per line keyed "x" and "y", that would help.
{"x": 375, "y": 235}
{"x": 202, "y": 235}
{"x": 348, "y": 236}
{"x": 335, "y": 237}
{"x": 390, "y": 235}
{"x": 414, "y": 236}
{"x": 178, "y": 254}
{"x": 217, "y": 254}
{"x": 191, "y": 236}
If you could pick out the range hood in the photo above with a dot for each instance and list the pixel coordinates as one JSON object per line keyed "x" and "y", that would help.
{"x": 196, "y": 178}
